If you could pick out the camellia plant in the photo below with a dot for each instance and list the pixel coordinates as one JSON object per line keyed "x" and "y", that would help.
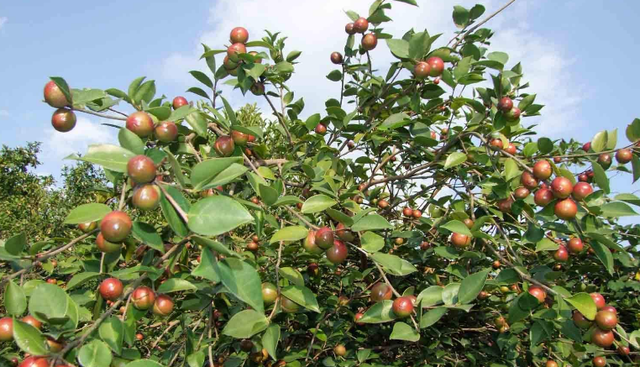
{"x": 416, "y": 221}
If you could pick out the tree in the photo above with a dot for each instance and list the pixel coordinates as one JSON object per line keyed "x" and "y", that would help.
{"x": 416, "y": 221}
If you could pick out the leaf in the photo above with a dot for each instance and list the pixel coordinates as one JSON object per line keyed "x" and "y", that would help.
{"x": 432, "y": 317}
{"x": 170, "y": 214}
{"x": 599, "y": 141}
{"x": 617, "y": 209}
{"x": 289, "y": 234}
{"x": 317, "y": 203}
{"x": 242, "y": 280}
{"x": 198, "y": 123}
{"x": 87, "y": 213}
{"x": 546, "y": 245}
{"x": 500, "y": 57}
{"x": 633, "y": 131}
{"x": 454, "y": 159}
{"x": 372, "y": 242}
{"x": 335, "y": 75}
{"x": 430, "y": 296}
{"x": 245, "y": 324}
{"x": 476, "y": 11}
{"x": 176, "y": 285}
{"x": 202, "y": 78}
{"x": 214, "y": 245}
{"x": 81, "y": 278}
{"x": 111, "y": 157}
{"x": 600, "y": 177}
{"x": 629, "y": 198}
{"x": 270, "y": 339}
{"x": 583, "y": 303}
{"x": 143, "y": 363}
{"x": 380, "y": 312}
{"x": 111, "y": 331}
{"x": 206, "y": 218}
{"x": 130, "y": 141}
{"x": 16, "y": 244}
{"x": 471, "y": 286}
{"x": 206, "y": 267}
{"x": 402, "y": 331}
{"x": 29, "y": 339}
{"x": 450, "y": 293}
{"x": 161, "y": 112}
{"x": 457, "y": 226}
{"x": 393, "y": 264}
{"x": 196, "y": 359}
{"x": 95, "y": 354}
{"x": 395, "y": 121}
{"x": 206, "y": 171}
{"x": 540, "y": 331}
{"x": 399, "y": 48}
{"x": 460, "y": 16}
{"x": 302, "y": 296}
{"x": 604, "y": 255}
{"x": 312, "y": 121}
{"x": 545, "y": 145}
{"x": 292, "y": 275}
{"x": 15, "y": 301}
{"x": 145, "y": 92}
{"x": 371, "y": 222}
{"x": 48, "y": 303}
{"x": 511, "y": 169}
{"x": 198, "y": 91}
{"x": 148, "y": 235}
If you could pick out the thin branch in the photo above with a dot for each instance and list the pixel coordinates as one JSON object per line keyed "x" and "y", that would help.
{"x": 280, "y": 119}
{"x": 100, "y": 114}
{"x": 472, "y": 29}
{"x": 175, "y": 205}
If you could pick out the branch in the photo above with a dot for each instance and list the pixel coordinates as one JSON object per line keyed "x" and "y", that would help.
{"x": 175, "y": 205}
{"x": 280, "y": 119}
{"x": 100, "y": 114}
{"x": 472, "y": 29}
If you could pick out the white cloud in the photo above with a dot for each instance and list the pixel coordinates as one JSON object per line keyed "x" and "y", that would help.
{"x": 4, "y": 113}
{"x": 3, "y": 20}
{"x": 57, "y": 145}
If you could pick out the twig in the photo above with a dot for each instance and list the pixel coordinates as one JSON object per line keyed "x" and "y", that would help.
{"x": 280, "y": 119}
{"x": 175, "y": 205}
{"x": 472, "y": 29}
{"x": 100, "y": 114}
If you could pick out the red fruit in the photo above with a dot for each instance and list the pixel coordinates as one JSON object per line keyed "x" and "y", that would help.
{"x": 513, "y": 114}
{"x": 163, "y": 305}
{"x": 521, "y": 193}
{"x": 586, "y": 146}
{"x": 599, "y": 361}
{"x": 580, "y": 321}
{"x": 537, "y": 292}
{"x": 381, "y": 292}
{"x": 88, "y": 227}
{"x": 115, "y": 226}
{"x": 543, "y": 197}
{"x": 382, "y": 204}
{"x": 609, "y": 308}
{"x": 63, "y": 120}
{"x": 565, "y": 209}
{"x": 360, "y": 25}
{"x": 143, "y": 298}
{"x": 34, "y": 361}
{"x": 224, "y": 146}
{"x": 624, "y": 351}
{"x": 357, "y": 317}
{"x": 310, "y": 243}
{"x": 561, "y": 187}
{"x": 239, "y": 35}
{"x": 557, "y": 159}
{"x": 320, "y": 129}
{"x": 54, "y": 96}
{"x": 344, "y": 233}
{"x": 599, "y": 300}
{"x": 234, "y": 50}
{"x": 505, "y": 104}
{"x": 146, "y": 197}
{"x": 527, "y": 180}
{"x": 496, "y": 143}
{"x": 542, "y": 170}
{"x": 437, "y": 65}
{"x": 551, "y": 363}
{"x": 460, "y": 240}
{"x": 111, "y": 289}
{"x": 422, "y": 70}
{"x": 141, "y": 169}
{"x": 407, "y": 212}
{"x": 337, "y": 253}
{"x": 402, "y": 307}
{"x": 6, "y": 329}
{"x": 511, "y": 149}
{"x": 496, "y": 264}
{"x": 468, "y": 222}
{"x": 140, "y": 123}
{"x": 624, "y": 156}
{"x": 239, "y": 137}
{"x": 504, "y": 205}
{"x": 139, "y": 336}
{"x": 324, "y": 238}
{"x": 436, "y": 81}
{"x": 602, "y": 338}
{"x": 417, "y": 214}
{"x": 349, "y": 28}
{"x": 369, "y": 41}
{"x": 561, "y": 254}
{"x": 336, "y": 58}
{"x": 313, "y": 270}
{"x": 581, "y": 190}
{"x": 179, "y": 102}
{"x": 252, "y": 246}
{"x": 575, "y": 245}
{"x": 106, "y": 246}
{"x": 604, "y": 160}
{"x": 32, "y": 321}
{"x": 606, "y": 320}
{"x": 583, "y": 177}
{"x": 166, "y": 132}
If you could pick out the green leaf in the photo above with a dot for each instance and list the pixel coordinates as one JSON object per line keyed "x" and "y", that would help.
{"x": 94, "y": 354}
{"x": 145, "y": 92}
{"x": 16, "y": 244}
{"x": 393, "y": 264}
{"x": 144, "y": 363}
{"x": 546, "y": 245}
{"x": 617, "y": 209}
{"x": 87, "y": 213}
{"x": 395, "y": 121}
{"x": 585, "y": 304}
{"x": 599, "y": 141}
{"x": 604, "y": 255}
{"x": 15, "y": 301}
{"x": 460, "y": 16}
{"x": 462, "y": 68}
{"x": 379, "y": 313}
{"x": 180, "y": 113}
{"x": 109, "y": 156}
{"x": 29, "y": 339}
{"x": 148, "y": 235}
{"x": 371, "y": 222}
{"x": 196, "y": 359}
{"x": 242, "y": 280}
{"x": 430, "y": 296}
{"x": 530, "y": 149}
{"x": 312, "y": 121}
{"x": 170, "y": 214}
{"x": 471, "y": 286}
{"x": 81, "y": 278}
{"x": 48, "y": 303}
{"x": 198, "y": 123}
{"x": 206, "y": 218}
{"x": 289, "y": 234}
{"x": 500, "y": 57}
{"x": 302, "y": 296}
{"x": 206, "y": 267}
{"x": 629, "y": 198}
{"x": 284, "y": 67}
{"x": 130, "y": 141}
{"x": 245, "y": 324}
{"x": 635, "y": 164}
{"x": 454, "y": 159}
{"x": 399, "y": 48}
{"x": 457, "y": 226}
{"x": 633, "y": 131}
{"x": 335, "y": 75}
{"x": 175, "y": 166}
{"x": 270, "y": 339}
{"x": 198, "y": 91}
{"x": 292, "y": 275}
{"x": 540, "y": 331}
{"x": 176, "y": 285}
{"x": 476, "y": 11}
{"x": 450, "y": 293}
{"x": 112, "y": 332}
{"x": 402, "y": 331}
{"x": 432, "y": 316}
{"x": 511, "y": 169}
{"x": 419, "y": 45}
{"x": 214, "y": 245}
{"x": 545, "y": 145}
{"x": 600, "y": 177}
{"x": 317, "y": 203}
{"x": 202, "y": 78}
{"x": 207, "y": 171}
{"x": 372, "y": 242}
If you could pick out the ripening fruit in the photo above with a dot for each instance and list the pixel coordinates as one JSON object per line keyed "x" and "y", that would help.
{"x": 166, "y": 132}
{"x": 468, "y": 222}
{"x": 609, "y": 308}
{"x": 511, "y": 149}
{"x": 344, "y": 233}
{"x": 381, "y": 292}
{"x": 336, "y": 58}
{"x": 417, "y": 214}
{"x": 504, "y": 205}
{"x": 551, "y": 363}
{"x": 239, "y": 137}
{"x": 382, "y": 204}
{"x": 6, "y": 329}
{"x": 239, "y": 35}
{"x": 602, "y": 338}
{"x": 422, "y": 70}
{"x": 256, "y": 58}
{"x": 360, "y": 25}
{"x": 288, "y": 305}
{"x": 623, "y": 350}
{"x": 54, "y": 96}
{"x": 599, "y": 300}
{"x": 143, "y": 298}
{"x": 586, "y": 146}
{"x": 407, "y": 212}
{"x": 269, "y": 293}
{"x": 580, "y": 321}
{"x": 357, "y": 318}
{"x": 606, "y": 320}
{"x": 106, "y": 246}
{"x": 505, "y": 104}
{"x": 561, "y": 254}
{"x": 460, "y": 240}
{"x": 349, "y": 28}
{"x": 561, "y": 187}
{"x": 537, "y": 292}
{"x": 402, "y": 306}
{"x": 337, "y": 253}
{"x": 313, "y": 270}
{"x": 513, "y": 114}
{"x": 234, "y": 50}
{"x": 437, "y": 65}
{"x": 141, "y": 169}
{"x": 111, "y": 289}
{"x": 599, "y": 361}
{"x": 581, "y": 190}
{"x": 370, "y": 41}
{"x": 310, "y": 243}
{"x": 163, "y": 305}
{"x": 496, "y": 264}
{"x": 55, "y": 346}
{"x": 146, "y": 197}
{"x": 542, "y": 170}
{"x": 527, "y": 180}
{"x": 340, "y": 350}
{"x": 257, "y": 89}
{"x": 140, "y": 123}
{"x": 496, "y": 143}
{"x": 521, "y": 193}
{"x": 228, "y": 64}
{"x": 253, "y": 246}
{"x": 246, "y": 345}
{"x": 179, "y": 102}
{"x": 624, "y": 156}
{"x": 34, "y": 361}
{"x": 565, "y": 209}
{"x": 88, "y": 227}
{"x": 399, "y": 241}
{"x": 583, "y": 177}
{"x": 604, "y": 160}
{"x": 324, "y": 238}
{"x": 320, "y": 129}
{"x": 63, "y": 120}
{"x": 543, "y": 197}
{"x": 575, "y": 245}
{"x": 224, "y": 146}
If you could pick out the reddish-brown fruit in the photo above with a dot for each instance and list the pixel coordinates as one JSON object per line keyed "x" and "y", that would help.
{"x": 565, "y": 209}
{"x": 141, "y": 169}
{"x": 468, "y": 222}
{"x": 436, "y": 81}
{"x": 369, "y": 41}
{"x": 166, "y": 132}
{"x": 483, "y": 295}
{"x": 424, "y": 245}
{"x": 239, "y": 35}
{"x": 437, "y": 65}
{"x": 381, "y": 292}
{"x": 542, "y": 170}
{"x": 115, "y": 226}
{"x": 460, "y": 240}
{"x": 313, "y": 270}
{"x": 527, "y": 180}
{"x": 543, "y": 197}
{"x": 146, "y": 197}
{"x": 361, "y": 25}
{"x": 399, "y": 241}
{"x": 575, "y": 245}
{"x": 63, "y": 120}
{"x": 581, "y": 190}
{"x": 513, "y": 114}
{"x": 602, "y": 338}
{"x": 246, "y": 345}
{"x": 402, "y": 307}
{"x": 511, "y": 149}
{"x": 351, "y": 144}
{"x": 505, "y": 104}
{"x": 111, "y": 289}
{"x": 504, "y": 205}
{"x": 140, "y": 123}
{"x": 88, "y": 227}
{"x": 417, "y": 214}
{"x": 340, "y": 350}
{"x": 604, "y": 160}
{"x": 580, "y": 321}
{"x": 34, "y": 361}
{"x": 624, "y": 350}
{"x": 583, "y": 177}
{"x": 561, "y": 187}
{"x": 624, "y": 156}
{"x": 599, "y": 361}
{"x": 52, "y": 281}
{"x": 357, "y": 317}
{"x": 496, "y": 264}
{"x": 324, "y": 238}
{"x": 521, "y": 193}
{"x": 599, "y": 300}
{"x": 349, "y": 28}
{"x": 54, "y": 96}
{"x": 143, "y": 298}
{"x": 344, "y": 233}
{"x": 537, "y": 292}
{"x": 586, "y": 146}
{"x": 496, "y": 143}
{"x": 55, "y": 346}
{"x": 407, "y": 212}
{"x": 337, "y": 253}
{"x": 320, "y": 129}
{"x": 551, "y": 363}
{"x": 255, "y": 200}
{"x": 252, "y": 246}
{"x": 422, "y": 70}
{"x": 606, "y": 320}
{"x": 163, "y": 306}
{"x": 224, "y": 146}
{"x": 561, "y": 254}
{"x": 239, "y": 137}
{"x": 609, "y": 308}
{"x": 310, "y": 245}
{"x": 179, "y": 102}
{"x": 256, "y": 58}
{"x": 382, "y": 203}
{"x": 6, "y": 329}
{"x": 269, "y": 293}
{"x": 336, "y": 58}
{"x": 139, "y": 336}
{"x": 234, "y": 50}
{"x": 288, "y": 305}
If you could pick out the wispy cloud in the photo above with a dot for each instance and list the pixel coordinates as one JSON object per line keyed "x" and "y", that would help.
{"x": 3, "y": 21}
{"x": 57, "y": 145}
{"x": 4, "y": 113}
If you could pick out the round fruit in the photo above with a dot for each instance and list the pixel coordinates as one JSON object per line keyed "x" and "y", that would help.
{"x": 324, "y": 238}
{"x": 6, "y": 329}
{"x": 609, "y": 308}
{"x": 357, "y": 318}
{"x": 460, "y": 240}
{"x": 228, "y": 64}
{"x": 55, "y": 346}
{"x": 505, "y": 104}
{"x": 369, "y": 41}
{"x": 381, "y": 292}
{"x": 252, "y": 246}
{"x": 542, "y": 170}
{"x": 437, "y": 65}
{"x": 565, "y": 209}
{"x": 360, "y": 25}
{"x": 496, "y": 264}
{"x": 417, "y": 214}
{"x": 239, "y": 137}
{"x": 257, "y": 89}
{"x": 337, "y": 253}
{"x": 146, "y": 197}
{"x": 624, "y": 156}
{"x": 141, "y": 169}
{"x": 587, "y": 146}
{"x": 166, "y": 132}
{"x": 602, "y": 338}
{"x": 422, "y": 70}
{"x": 468, "y": 222}
{"x": 320, "y": 129}
{"x": 239, "y": 35}
{"x": 382, "y": 204}
{"x": 54, "y": 96}
{"x": 604, "y": 160}
{"x": 581, "y": 190}
{"x": 583, "y": 177}
{"x": 407, "y": 212}
{"x": 399, "y": 241}
{"x": 521, "y": 193}
{"x": 63, "y": 120}
{"x": 527, "y": 180}
{"x": 349, "y": 28}
{"x": 511, "y": 149}
{"x": 88, "y": 227}
{"x": 561, "y": 187}
{"x": 599, "y": 361}
{"x": 537, "y": 292}
{"x": 288, "y": 305}
{"x": 269, "y": 293}
{"x": 561, "y": 254}
{"x": 234, "y": 50}
{"x": 106, "y": 246}
{"x": 246, "y": 345}
{"x": 551, "y": 363}
{"x": 606, "y": 320}
{"x": 580, "y": 321}
{"x": 344, "y": 233}
{"x": 599, "y": 300}
{"x": 115, "y": 226}
{"x": 543, "y": 197}
{"x": 336, "y": 58}
{"x": 163, "y": 305}
{"x": 402, "y": 306}
{"x": 143, "y": 298}
{"x": 256, "y": 57}
{"x": 513, "y": 114}
{"x": 340, "y": 350}
{"x": 224, "y": 146}
{"x": 623, "y": 350}
{"x": 179, "y": 102}
{"x": 496, "y": 143}
{"x": 111, "y": 289}
{"x": 575, "y": 245}
{"x": 34, "y": 361}
{"x": 504, "y": 205}
{"x": 140, "y": 123}
{"x": 310, "y": 243}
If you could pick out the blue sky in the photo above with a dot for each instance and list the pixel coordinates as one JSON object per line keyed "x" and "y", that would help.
{"x": 580, "y": 57}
